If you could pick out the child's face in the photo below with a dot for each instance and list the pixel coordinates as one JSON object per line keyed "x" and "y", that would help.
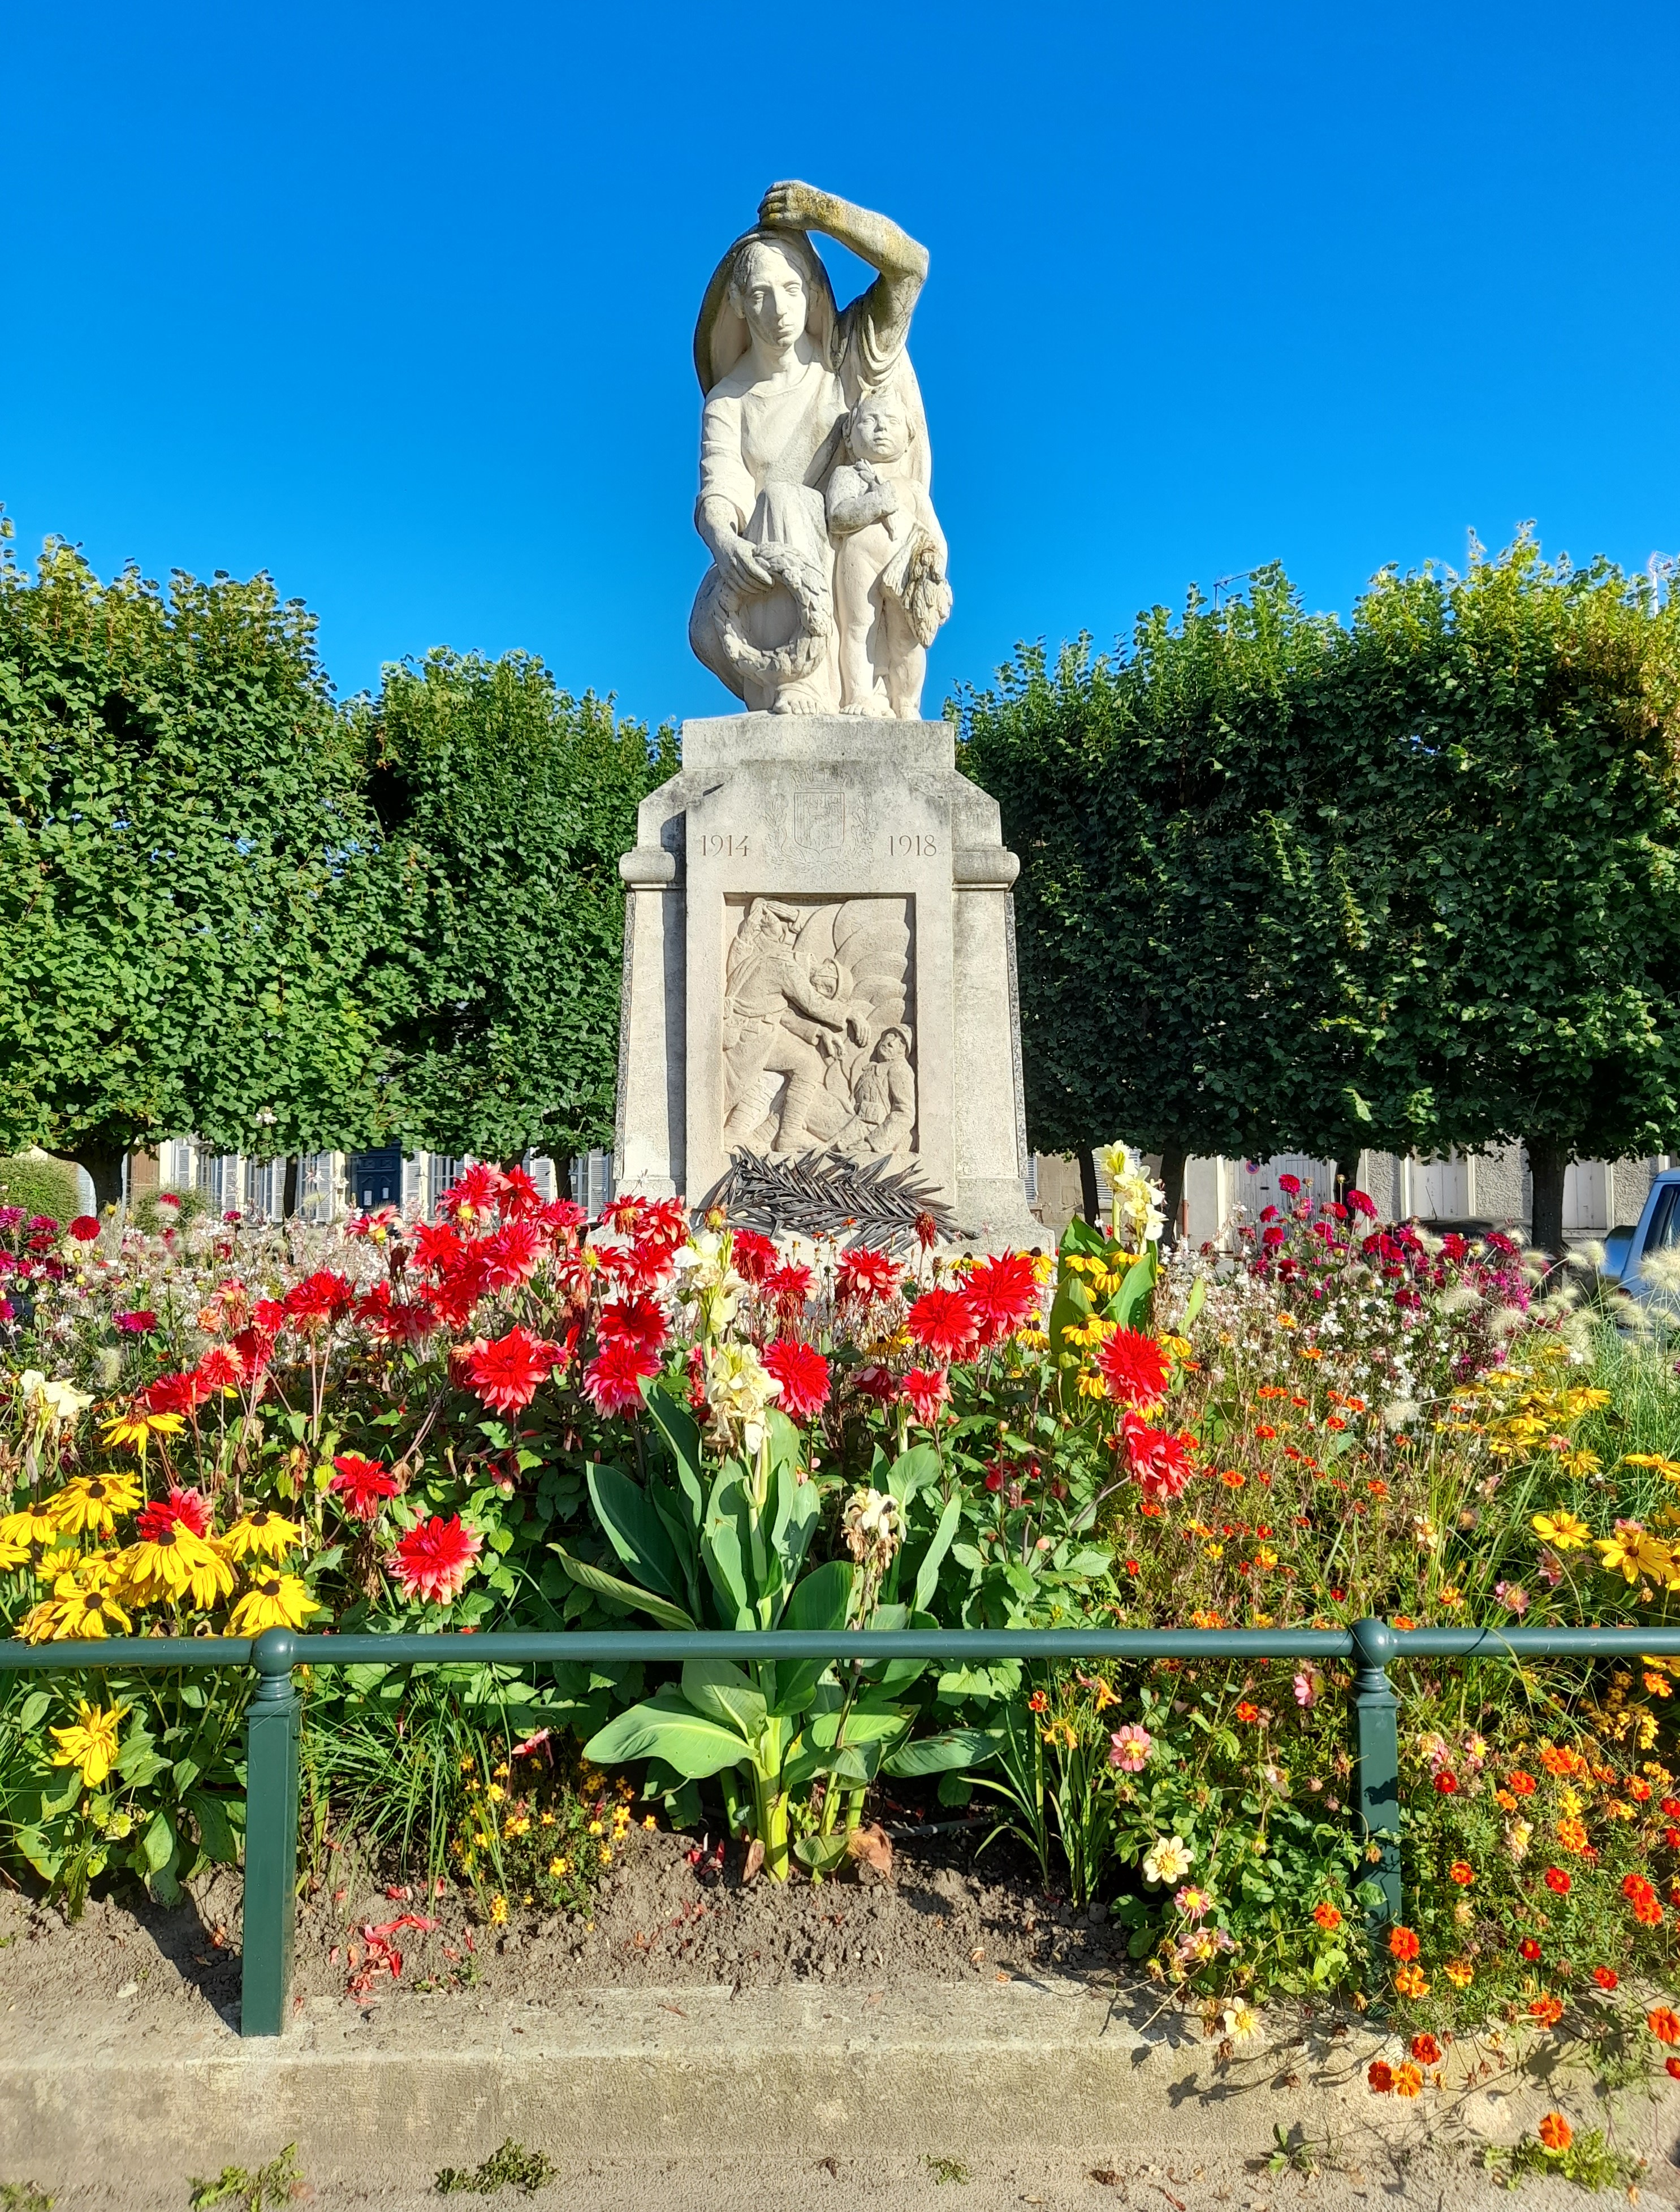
{"x": 879, "y": 432}
{"x": 892, "y": 1046}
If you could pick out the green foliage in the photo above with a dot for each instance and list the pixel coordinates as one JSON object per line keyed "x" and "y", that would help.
{"x": 24, "y": 2196}
{"x": 151, "y": 1213}
{"x": 1591, "y": 2162}
{"x": 183, "y": 871}
{"x": 40, "y": 1187}
{"x": 1413, "y": 882}
{"x": 505, "y": 805}
{"x": 1533, "y": 709}
{"x": 252, "y": 2189}
{"x": 1178, "y": 854}
{"x": 511, "y": 2166}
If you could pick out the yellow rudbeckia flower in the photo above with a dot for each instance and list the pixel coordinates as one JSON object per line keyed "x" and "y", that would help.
{"x": 30, "y": 1524}
{"x": 273, "y": 1600}
{"x": 175, "y": 1564}
{"x": 1563, "y": 1531}
{"x": 262, "y": 1534}
{"x": 91, "y": 1742}
{"x": 92, "y": 1502}
{"x": 137, "y": 1429}
{"x": 73, "y": 1614}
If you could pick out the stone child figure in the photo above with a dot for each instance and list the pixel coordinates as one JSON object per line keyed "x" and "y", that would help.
{"x": 883, "y": 1099}
{"x": 890, "y": 591}
{"x": 782, "y": 367}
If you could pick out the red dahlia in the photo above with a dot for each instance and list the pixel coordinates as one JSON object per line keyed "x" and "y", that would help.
{"x": 362, "y": 1483}
{"x": 633, "y": 1320}
{"x": 615, "y": 1376}
{"x": 943, "y": 1322}
{"x": 802, "y": 1373}
{"x": 504, "y": 1374}
{"x": 187, "y": 1508}
{"x": 1159, "y": 1458}
{"x": 1134, "y": 1367}
{"x": 435, "y": 1558}
{"x": 1002, "y": 1293}
{"x": 753, "y": 1255}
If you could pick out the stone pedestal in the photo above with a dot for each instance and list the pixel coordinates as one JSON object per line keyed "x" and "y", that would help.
{"x": 818, "y": 958}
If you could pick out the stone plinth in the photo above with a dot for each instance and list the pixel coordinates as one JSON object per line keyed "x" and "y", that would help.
{"x": 819, "y": 957}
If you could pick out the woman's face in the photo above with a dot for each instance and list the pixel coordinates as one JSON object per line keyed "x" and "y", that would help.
{"x": 771, "y": 291}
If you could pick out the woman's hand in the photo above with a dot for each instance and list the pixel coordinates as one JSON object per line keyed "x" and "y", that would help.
{"x": 740, "y": 571}
{"x": 792, "y": 206}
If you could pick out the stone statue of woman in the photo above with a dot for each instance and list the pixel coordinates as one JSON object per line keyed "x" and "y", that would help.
{"x": 781, "y": 369}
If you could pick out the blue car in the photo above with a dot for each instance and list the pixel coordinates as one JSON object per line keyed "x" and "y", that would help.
{"x": 1628, "y": 1251}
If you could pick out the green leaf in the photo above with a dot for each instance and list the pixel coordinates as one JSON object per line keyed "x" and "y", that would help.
{"x": 927, "y": 1574}
{"x": 636, "y": 1531}
{"x": 215, "y": 1830}
{"x": 157, "y": 1844}
{"x": 937, "y": 1754}
{"x": 725, "y": 1693}
{"x": 690, "y": 1745}
{"x": 34, "y": 1710}
{"x": 606, "y": 1585}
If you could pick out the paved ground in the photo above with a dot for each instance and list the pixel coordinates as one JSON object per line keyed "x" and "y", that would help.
{"x": 957, "y": 2098}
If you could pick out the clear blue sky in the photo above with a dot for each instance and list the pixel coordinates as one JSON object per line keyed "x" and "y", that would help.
{"x": 397, "y": 301}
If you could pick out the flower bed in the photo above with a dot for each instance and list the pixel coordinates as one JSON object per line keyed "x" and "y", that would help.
{"x": 511, "y": 1417}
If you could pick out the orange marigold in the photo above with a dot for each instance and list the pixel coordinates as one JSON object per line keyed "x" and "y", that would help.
{"x": 1556, "y": 2132}
{"x": 1547, "y": 2010}
{"x": 1407, "y": 2080}
{"x": 1664, "y": 2024}
{"x": 1410, "y": 1982}
{"x": 1380, "y": 2075}
{"x": 1326, "y": 1916}
{"x": 1426, "y": 2050}
{"x": 1402, "y": 1942}
{"x": 1462, "y": 1872}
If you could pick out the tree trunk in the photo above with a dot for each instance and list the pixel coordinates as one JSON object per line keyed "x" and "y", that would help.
{"x": 1547, "y": 1160}
{"x": 1088, "y": 1197}
{"x": 1172, "y": 1176}
{"x": 288, "y": 1188}
{"x": 104, "y": 1163}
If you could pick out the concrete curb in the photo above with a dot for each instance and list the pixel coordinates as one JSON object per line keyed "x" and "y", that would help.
{"x": 698, "y": 2074}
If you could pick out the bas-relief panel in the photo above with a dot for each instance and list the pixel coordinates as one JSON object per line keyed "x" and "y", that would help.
{"x": 819, "y": 1044}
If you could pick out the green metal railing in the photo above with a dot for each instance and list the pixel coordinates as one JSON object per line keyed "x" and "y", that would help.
{"x": 272, "y": 1724}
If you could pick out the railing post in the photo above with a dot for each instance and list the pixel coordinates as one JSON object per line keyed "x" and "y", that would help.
{"x": 1376, "y": 1773}
{"x": 271, "y": 1838}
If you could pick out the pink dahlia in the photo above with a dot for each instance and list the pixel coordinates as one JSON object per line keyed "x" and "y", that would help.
{"x": 1129, "y": 1748}
{"x": 435, "y": 1558}
{"x": 1159, "y": 1458}
{"x": 925, "y": 1390}
{"x": 862, "y": 1274}
{"x": 615, "y": 1376}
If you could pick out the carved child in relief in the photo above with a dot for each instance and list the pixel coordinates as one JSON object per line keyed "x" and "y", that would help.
{"x": 890, "y": 591}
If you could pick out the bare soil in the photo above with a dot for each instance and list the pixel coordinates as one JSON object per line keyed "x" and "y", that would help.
{"x": 659, "y": 1920}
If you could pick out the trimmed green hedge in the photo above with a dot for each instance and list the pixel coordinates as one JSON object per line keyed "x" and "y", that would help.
{"x": 40, "y": 1186}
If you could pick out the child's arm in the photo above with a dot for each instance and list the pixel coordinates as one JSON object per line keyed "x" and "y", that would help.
{"x": 857, "y": 497}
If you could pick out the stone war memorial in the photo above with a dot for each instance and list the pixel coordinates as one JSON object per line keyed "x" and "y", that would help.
{"x": 819, "y": 971}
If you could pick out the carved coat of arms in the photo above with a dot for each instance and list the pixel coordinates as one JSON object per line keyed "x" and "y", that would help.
{"x": 819, "y": 821}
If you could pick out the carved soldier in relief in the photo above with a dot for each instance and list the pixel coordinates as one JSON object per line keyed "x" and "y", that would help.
{"x": 816, "y": 1056}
